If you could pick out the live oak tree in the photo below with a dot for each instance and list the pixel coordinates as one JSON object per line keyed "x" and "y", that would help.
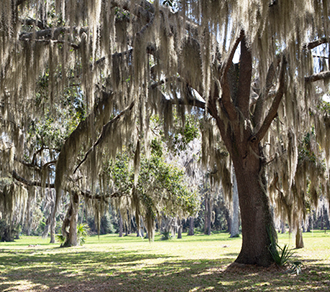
{"x": 137, "y": 58}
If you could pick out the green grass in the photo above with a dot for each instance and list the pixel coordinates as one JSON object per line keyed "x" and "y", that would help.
{"x": 194, "y": 263}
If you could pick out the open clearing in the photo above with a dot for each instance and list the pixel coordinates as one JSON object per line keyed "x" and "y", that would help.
{"x": 194, "y": 263}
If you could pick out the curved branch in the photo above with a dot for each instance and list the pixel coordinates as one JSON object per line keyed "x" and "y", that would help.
{"x": 104, "y": 133}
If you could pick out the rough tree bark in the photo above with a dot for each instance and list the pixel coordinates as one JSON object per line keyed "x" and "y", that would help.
{"x": 73, "y": 239}
{"x": 256, "y": 216}
{"x": 71, "y": 221}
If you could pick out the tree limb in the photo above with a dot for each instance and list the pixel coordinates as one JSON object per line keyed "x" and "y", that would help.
{"x": 226, "y": 99}
{"x": 317, "y": 77}
{"x": 51, "y": 34}
{"x": 316, "y": 43}
{"x": 86, "y": 194}
{"x": 31, "y": 21}
{"x": 272, "y": 113}
{"x": 244, "y": 83}
{"x": 19, "y": 2}
{"x": 103, "y": 133}
{"x": 28, "y": 182}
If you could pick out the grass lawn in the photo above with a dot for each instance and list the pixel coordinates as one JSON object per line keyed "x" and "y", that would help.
{"x": 194, "y": 263}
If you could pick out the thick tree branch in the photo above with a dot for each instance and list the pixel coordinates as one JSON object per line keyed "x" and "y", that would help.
{"x": 316, "y": 43}
{"x": 86, "y": 194}
{"x": 272, "y": 113}
{"x": 188, "y": 97}
{"x": 28, "y": 164}
{"x": 31, "y": 21}
{"x": 226, "y": 99}
{"x": 317, "y": 77}
{"x": 244, "y": 83}
{"x": 19, "y": 2}
{"x": 28, "y": 182}
{"x": 51, "y": 34}
{"x": 104, "y": 132}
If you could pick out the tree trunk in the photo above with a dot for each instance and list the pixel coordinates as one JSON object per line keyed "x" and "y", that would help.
{"x": 282, "y": 227}
{"x": 327, "y": 221}
{"x": 299, "y": 237}
{"x": 309, "y": 227}
{"x": 179, "y": 229}
{"x": 28, "y": 218}
{"x": 120, "y": 225}
{"x": 71, "y": 221}
{"x": 73, "y": 239}
{"x": 234, "y": 226}
{"x": 257, "y": 220}
{"x": 52, "y": 219}
{"x": 52, "y": 230}
{"x": 208, "y": 215}
{"x": 191, "y": 226}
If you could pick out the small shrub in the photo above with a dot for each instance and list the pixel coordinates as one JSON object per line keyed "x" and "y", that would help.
{"x": 82, "y": 232}
{"x": 166, "y": 235}
{"x": 281, "y": 256}
{"x": 60, "y": 238}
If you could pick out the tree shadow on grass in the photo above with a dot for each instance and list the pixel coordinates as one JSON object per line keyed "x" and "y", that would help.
{"x": 83, "y": 270}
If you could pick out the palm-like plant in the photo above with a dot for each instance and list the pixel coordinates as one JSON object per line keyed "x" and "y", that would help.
{"x": 82, "y": 232}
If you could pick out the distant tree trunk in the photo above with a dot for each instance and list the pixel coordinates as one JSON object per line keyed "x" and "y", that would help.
{"x": 282, "y": 227}
{"x": 322, "y": 218}
{"x": 52, "y": 220}
{"x": 299, "y": 237}
{"x": 179, "y": 228}
{"x": 120, "y": 225}
{"x": 326, "y": 215}
{"x": 208, "y": 214}
{"x": 309, "y": 227}
{"x": 191, "y": 225}
{"x": 128, "y": 225}
{"x": 234, "y": 231}
{"x": 52, "y": 230}
{"x": 228, "y": 219}
{"x": 28, "y": 218}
